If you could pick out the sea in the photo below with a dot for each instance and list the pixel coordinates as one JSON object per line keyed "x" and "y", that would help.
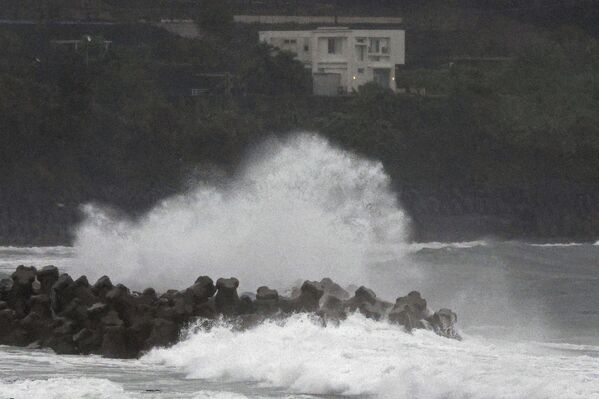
{"x": 528, "y": 314}
{"x": 301, "y": 209}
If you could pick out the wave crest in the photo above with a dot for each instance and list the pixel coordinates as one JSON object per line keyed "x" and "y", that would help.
{"x": 366, "y": 357}
{"x": 301, "y": 209}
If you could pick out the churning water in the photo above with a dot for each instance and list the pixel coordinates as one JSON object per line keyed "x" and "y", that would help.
{"x": 303, "y": 209}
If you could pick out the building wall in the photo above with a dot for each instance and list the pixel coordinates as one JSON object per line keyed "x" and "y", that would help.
{"x": 326, "y": 84}
{"x": 294, "y": 41}
{"x": 286, "y": 19}
{"x": 355, "y": 55}
{"x": 182, "y": 27}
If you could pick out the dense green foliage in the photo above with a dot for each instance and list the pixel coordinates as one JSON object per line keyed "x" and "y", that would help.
{"x": 103, "y": 114}
{"x": 90, "y": 118}
{"x": 528, "y": 119}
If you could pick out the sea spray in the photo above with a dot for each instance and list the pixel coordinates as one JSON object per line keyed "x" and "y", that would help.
{"x": 299, "y": 209}
{"x": 364, "y": 357}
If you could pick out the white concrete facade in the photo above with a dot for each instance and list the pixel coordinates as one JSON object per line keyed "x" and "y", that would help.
{"x": 350, "y": 56}
{"x": 314, "y": 19}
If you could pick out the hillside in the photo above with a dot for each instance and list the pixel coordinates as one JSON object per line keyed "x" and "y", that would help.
{"x": 505, "y": 148}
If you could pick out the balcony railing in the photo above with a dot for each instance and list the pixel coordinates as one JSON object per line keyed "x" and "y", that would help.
{"x": 382, "y": 51}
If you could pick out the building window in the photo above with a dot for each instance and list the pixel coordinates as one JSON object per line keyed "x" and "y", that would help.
{"x": 198, "y": 92}
{"x": 306, "y": 47}
{"x": 361, "y": 50}
{"x": 379, "y": 45}
{"x": 375, "y": 46}
{"x": 360, "y": 70}
{"x": 332, "y": 46}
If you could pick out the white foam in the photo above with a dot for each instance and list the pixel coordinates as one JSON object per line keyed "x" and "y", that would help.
{"x": 417, "y": 246}
{"x": 558, "y": 244}
{"x": 235, "y": 395}
{"x": 364, "y": 357}
{"x": 62, "y": 388}
{"x": 301, "y": 209}
{"x": 218, "y": 395}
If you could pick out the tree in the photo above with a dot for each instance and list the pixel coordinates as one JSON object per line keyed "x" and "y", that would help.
{"x": 267, "y": 70}
{"x": 216, "y": 17}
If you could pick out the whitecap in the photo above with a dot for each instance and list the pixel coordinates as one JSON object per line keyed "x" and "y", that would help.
{"x": 62, "y": 388}
{"x": 364, "y": 357}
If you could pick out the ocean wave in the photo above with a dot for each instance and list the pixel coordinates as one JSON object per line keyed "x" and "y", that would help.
{"x": 11, "y": 257}
{"x": 417, "y": 246}
{"x": 62, "y": 388}
{"x": 218, "y": 395}
{"x": 363, "y": 357}
{"x": 64, "y": 250}
{"x": 558, "y": 245}
{"x": 300, "y": 209}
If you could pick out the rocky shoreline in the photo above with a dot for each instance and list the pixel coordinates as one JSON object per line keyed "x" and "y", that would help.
{"x": 46, "y": 309}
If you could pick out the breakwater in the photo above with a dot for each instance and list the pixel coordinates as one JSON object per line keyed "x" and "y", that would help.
{"x": 46, "y": 309}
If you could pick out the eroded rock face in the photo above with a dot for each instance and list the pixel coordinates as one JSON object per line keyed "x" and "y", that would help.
{"x": 6, "y": 285}
{"x": 410, "y": 311}
{"x": 163, "y": 333}
{"x": 22, "y": 289}
{"x": 266, "y": 294}
{"x": 45, "y": 309}
{"x": 267, "y": 301}
{"x": 114, "y": 343}
{"x": 226, "y": 299}
{"x": 331, "y": 288}
{"x": 202, "y": 289}
{"x": 376, "y": 310}
{"x": 362, "y": 295}
{"x": 308, "y": 299}
{"x": 47, "y": 276}
{"x": 333, "y": 308}
{"x": 366, "y": 302}
{"x": 24, "y": 276}
{"x": 444, "y": 323}
{"x": 59, "y": 295}
{"x": 102, "y": 286}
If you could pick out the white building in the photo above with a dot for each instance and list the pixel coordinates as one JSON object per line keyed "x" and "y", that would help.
{"x": 343, "y": 59}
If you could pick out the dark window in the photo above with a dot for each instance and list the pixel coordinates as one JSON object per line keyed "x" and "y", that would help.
{"x": 361, "y": 50}
{"x": 375, "y": 46}
{"x": 332, "y": 46}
